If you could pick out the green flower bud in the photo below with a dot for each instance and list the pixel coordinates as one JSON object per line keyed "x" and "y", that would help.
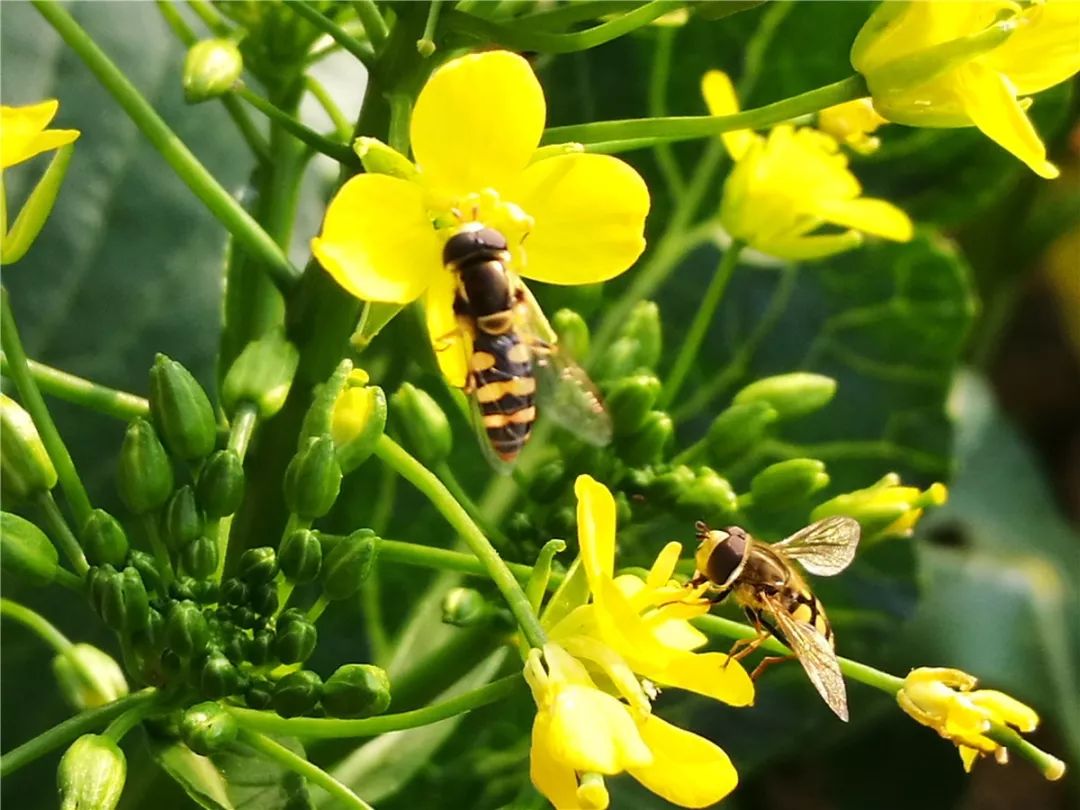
{"x": 788, "y": 482}
{"x": 348, "y": 564}
{"x": 736, "y": 429}
{"x": 670, "y": 485}
{"x": 630, "y": 401}
{"x": 146, "y": 565}
{"x": 88, "y": 677}
{"x": 651, "y": 442}
{"x": 91, "y": 774}
{"x": 259, "y": 696}
{"x": 885, "y": 509}
{"x": 573, "y": 332}
{"x": 182, "y": 412}
{"x": 207, "y": 728}
{"x": 211, "y": 69}
{"x": 218, "y": 677}
{"x": 319, "y": 416}
{"x": 145, "y": 475}
{"x": 205, "y": 592}
{"x": 136, "y": 601}
{"x": 619, "y": 359}
{"x": 463, "y": 607}
{"x": 549, "y": 481}
{"x": 297, "y": 693}
{"x": 200, "y": 557}
{"x": 296, "y": 642}
{"x": 261, "y": 375}
{"x": 288, "y": 616}
{"x": 357, "y": 421}
{"x": 258, "y": 565}
{"x": 96, "y": 578}
{"x": 245, "y": 617}
{"x": 313, "y": 479}
{"x": 264, "y": 599}
{"x": 186, "y": 630}
{"x": 423, "y": 424}
{"x": 300, "y": 557}
{"x": 643, "y": 325}
{"x": 25, "y": 551}
{"x": 183, "y": 520}
{"x": 709, "y": 498}
{"x": 103, "y": 539}
{"x": 234, "y": 592}
{"x": 112, "y": 606}
{"x": 356, "y": 690}
{"x": 790, "y": 395}
{"x": 258, "y": 648}
{"x": 378, "y": 158}
{"x": 220, "y": 489}
{"x": 25, "y": 466}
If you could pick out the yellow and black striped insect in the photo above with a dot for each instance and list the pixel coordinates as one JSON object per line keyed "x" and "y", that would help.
{"x": 767, "y": 586}
{"x": 510, "y": 343}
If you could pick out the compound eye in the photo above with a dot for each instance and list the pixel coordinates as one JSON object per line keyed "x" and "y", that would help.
{"x": 726, "y": 556}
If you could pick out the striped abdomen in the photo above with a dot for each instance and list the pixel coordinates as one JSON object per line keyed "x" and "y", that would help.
{"x": 504, "y": 387}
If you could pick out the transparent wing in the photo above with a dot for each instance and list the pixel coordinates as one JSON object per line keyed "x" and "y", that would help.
{"x": 815, "y": 653}
{"x": 823, "y": 548}
{"x": 565, "y": 392}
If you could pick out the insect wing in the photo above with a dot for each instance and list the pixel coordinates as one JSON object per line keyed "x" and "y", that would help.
{"x": 815, "y": 653}
{"x": 823, "y": 548}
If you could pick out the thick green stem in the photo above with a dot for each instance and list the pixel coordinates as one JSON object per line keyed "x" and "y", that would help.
{"x": 71, "y": 728}
{"x": 241, "y": 429}
{"x": 61, "y": 533}
{"x": 321, "y": 728}
{"x": 32, "y": 401}
{"x": 638, "y": 133}
{"x": 372, "y": 20}
{"x": 339, "y": 152}
{"x": 360, "y": 50}
{"x": 429, "y": 484}
{"x": 228, "y": 211}
{"x": 447, "y": 476}
{"x": 294, "y": 762}
{"x": 659, "y": 78}
{"x": 342, "y": 127}
{"x": 688, "y": 352}
{"x": 62, "y": 385}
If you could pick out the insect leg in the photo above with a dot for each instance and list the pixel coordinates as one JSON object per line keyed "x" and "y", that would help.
{"x": 744, "y": 646}
{"x": 768, "y": 662}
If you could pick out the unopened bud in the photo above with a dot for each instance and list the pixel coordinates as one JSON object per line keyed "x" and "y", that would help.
{"x": 183, "y": 520}
{"x": 207, "y": 728}
{"x": 651, "y": 441}
{"x": 313, "y": 479}
{"x": 356, "y": 690}
{"x": 220, "y": 489}
{"x": 300, "y": 556}
{"x": 262, "y": 375}
{"x": 737, "y": 429}
{"x": 200, "y": 557}
{"x": 218, "y": 677}
{"x": 643, "y": 325}
{"x": 211, "y": 69}
{"x": 181, "y": 410}
{"x": 464, "y": 607}
{"x": 258, "y": 565}
{"x": 378, "y": 158}
{"x": 790, "y": 395}
{"x": 296, "y": 641}
{"x": 710, "y": 498}
{"x": 630, "y": 400}
{"x": 147, "y": 567}
{"x": 573, "y": 332}
{"x": 186, "y": 630}
{"x": 25, "y": 551}
{"x": 92, "y": 773}
{"x": 144, "y": 475}
{"x": 297, "y": 693}
{"x": 88, "y": 677}
{"x": 136, "y": 601}
{"x": 103, "y": 539}
{"x": 423, "y": 424}
{"x": 357, "y": 421}
{"x": 884, "y": 509}
{"x": 348, "y": 564}
{"x": 788, "y": 482}
{"x": 24, "y": 464}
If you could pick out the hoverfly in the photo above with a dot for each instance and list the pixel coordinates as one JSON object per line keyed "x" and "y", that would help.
{"x": 775, "y": 597}
{"x": 510, "y": 343}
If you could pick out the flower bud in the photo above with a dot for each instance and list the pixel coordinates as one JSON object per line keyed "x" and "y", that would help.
{"x": 296, "y": 642}
{"x": 234, "y": 592}
{"x": 258, "y": 695}
{"x": 220, "y": 489}
{"x": 709, "y": 498}
{"x": 357, "y": 421}
{"x": 884, "y": 509}
{"x": 464, "y": 607}
{"x": 300, "y": 557}
{"x": 200, "y": 557}
{"x": 91, "y": 774}
{"x": 207, "y": 728}
{"x": 649, "y": 444}
{"x": 111, "y": 602}
{"x": 182, "y": 412}
{"x": 736, "y": 429}
{"x": 145, "y": 475}
{"x": 211, "y": 69}
{"x": 25, "y": 551}
{"x": 319, "y": 416}
{"x": 669, "y": 485}
{"x": 630, "y": 401}
{"x": 264, "y": 599}
{"x": 146, "y": 565}
{"x": 258, "y": 565}
{"x": 186, "y": 630}
{"x": 262, "y": 375}
{"x": 218, "y": 677}
{"x": 25, "y": 466}
{"x": 96, "y": 578}
{"x": 313, "y": 479}
{"x": 258, "y": 648}
{"x": 573, "y": 332}
{"x": 643, "y": 325}
{"x": 422, "y": 423}
{"x": 348, "y": 564}
{"x": 297, "y": 693}
{"x": 378, "y": 158}
{"x": 103, "y": 539}
{"x": 549, "y": 481}
{"x": 136, "y": 601}
{"x": 788, "y": 482}
{"x": 790, "y": 395}
{"x": 88, "y": 677}
{"x": 619, "y": 359}
{"x": 356, "y": 690}
{"x": 183, "y": 520}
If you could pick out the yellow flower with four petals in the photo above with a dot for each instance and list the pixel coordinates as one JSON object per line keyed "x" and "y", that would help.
{"x": 569, "y": 217}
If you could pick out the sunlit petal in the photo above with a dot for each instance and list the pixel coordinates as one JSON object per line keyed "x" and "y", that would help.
{"x": 664, "y": 566}
{"x": 877, "y": 217}
{"x": 1044, "y": 50}
{"x": 1006, "y": 709}
{"x": 711, "y": 674}
{"x": 805, "y": 248}
{"x": 596, "y": 529}
{"x": 720, "y": 98}
{"x": 23, "y": 132}
{"x": 450, "y": 339}
{"x": 687, "y": 770}
{"x": 556, "y": 781}
{"x": 592, "y": 731}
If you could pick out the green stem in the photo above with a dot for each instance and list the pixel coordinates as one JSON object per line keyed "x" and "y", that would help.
{"x": 82, "y": 392}
{"x": 32, "y": 401}
{"x": 1049, "y": 766}
{"x": 321, "y": 728}
{"x": 372, "y": 20}
{"x": 118, "y": 728}
{"x": 210, "y": 17}
{"x": 316, "y": 611}
{"x": 426, "y": 44}
{"x": 241, "y": 429}
{"x": 428, "y": 483}
{"x": 220, "y": 203}
{"x": 458, "y": 491}
{"x": 298, "y": 764}
{"x": 526, "y": 38}
{"x": 339, "y": 152}
{"x": 39, "y": 625}
{"x": 560, "y": 17}
{"x": 641, "y": 132}
{"x": 157, "y": 546}
{"x": 400, "y": 116}
{"x": 659, "y": 79}
{"x": 342, "y": 127}
{"x": 361, "y": 50}
{"x": 688, "y": 352}
{"x": 71, "y": 728}
{"x": 61, "y": 533}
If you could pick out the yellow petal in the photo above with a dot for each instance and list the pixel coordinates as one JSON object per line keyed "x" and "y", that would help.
{"x": 621, "y": 627}
{"x": 592, "y": 731}
{"x": 23, "y": 134}
{"x": 1006, "y": 709}
{"x": 720, "y": 98}
{"x": 477, "y": 122}
{"x": 1044, "y": 50}
{"x": 805, "y": 248}
{"x": 377, "y": 241}
{"x": 678, "y": 634}
{"x": 596, "y": 529}
{"x": 556, "y": 781}
{"x": 664, "y": 567}
{"x": 687, "y": 770}
{"x": 869, "y": 215}
{"x": 968, "y": 757}
{"x": 589, "y": 217}
{"x": 991, "y": 103}
{"x": 449, "y": 339}
{"x": 711, "y": 674}
{"x": 612, "y": 665}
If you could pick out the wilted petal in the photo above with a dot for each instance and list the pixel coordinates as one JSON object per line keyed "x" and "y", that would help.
{"x": 687, "y": 770}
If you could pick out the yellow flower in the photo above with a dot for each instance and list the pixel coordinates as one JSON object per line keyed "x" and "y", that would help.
{"x": 604, "y": 661}
{"x": 23, "y": 132}
{"x": 885, "y": 509}
{"x": 958, "y": 64}
{"x": 851, "y": 123}
{"x": 474, "y": 133}
{"x": 789, "y": 183}
{"x": 943, "y": 699}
